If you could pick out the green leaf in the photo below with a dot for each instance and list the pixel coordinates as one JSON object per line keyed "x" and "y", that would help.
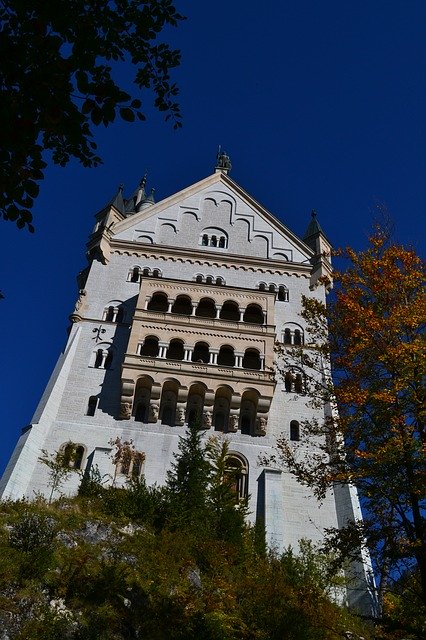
{"x": 127, "y": 114}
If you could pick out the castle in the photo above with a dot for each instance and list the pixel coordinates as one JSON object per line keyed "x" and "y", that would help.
{"x": 177, "y": 317}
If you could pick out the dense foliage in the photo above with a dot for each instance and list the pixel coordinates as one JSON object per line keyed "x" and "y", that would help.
{"x": 57, "y": 80}
{"x": 373, "y": 333}
{"x": 118, "y": 563}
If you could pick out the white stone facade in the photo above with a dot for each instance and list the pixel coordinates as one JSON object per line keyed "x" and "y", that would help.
{"x": 179, "y": 310}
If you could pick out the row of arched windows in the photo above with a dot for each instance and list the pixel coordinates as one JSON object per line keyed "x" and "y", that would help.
{"x": 113, "y": 313}
{"x": 136, "y": 273}
{"x": 281, "y": 290}
{"x": 219, "y": 281}
{"x": 176, "y": 349}
{"x": 206, "y": 308}
{"x": 226, "y": 412}
{"x": 293, "y": 336}
{"x": 214, "y": 240}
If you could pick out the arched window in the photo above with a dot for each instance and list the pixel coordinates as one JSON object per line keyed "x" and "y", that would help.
{"x": 209, "y": 280}
{"x": 262, "y": 286}
{"x": 230, "y": 311}
{"x": 156, "y": 273}
{"x": 206, "y": 308}
{"x": 205, "y": 240}
{"x": 253, "y": 314}
{"x": 146, "y": 272}
{"x": 282, "y": 294}
{"x": 135, "y": 274}
{"x": 142, "y": 399}
{"x": 195, "y": 403}
{"x": 201, "y": 353}
{"x": 175, "y": 350}
{"x": 294, "y": 382}
{"x": 222, "y": 242}
{"x": 226, "y": 356}
{"x": 237, "y": 475}
{"x": 182, "y": 305}
{"x": 222, "y": 404}
{"x": 220, "y": 281}
{"x": 294, "y": 431}
{"x": 199, "y": 278}
{"x": 271, "y": 288}
{"x": 298, "y": 338}
{"x": 168, "y": 403}
{"x": 251, "y": 359}
{"x": 213, "y": 241}
{"x": 158, "y": 302}
{"x": 287, "y": 336}
{"x": 73, "y": 455}
{"x": 150, "y": 347}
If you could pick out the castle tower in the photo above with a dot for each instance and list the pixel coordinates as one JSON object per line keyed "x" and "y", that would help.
{"x": 177, "y": 317}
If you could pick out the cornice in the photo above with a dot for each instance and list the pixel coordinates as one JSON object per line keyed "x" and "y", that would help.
{"x": 211, "y": 260}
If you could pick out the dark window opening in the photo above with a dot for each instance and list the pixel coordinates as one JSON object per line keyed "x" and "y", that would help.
{"x": 201, "y": 353}
{"x": 158, "y": 302}
{"x": 230, "y": 311}
{"x": 213, "y": 241}
{"x": 251, "y": 359}
{"x": 206, "y": 308}
{"x": 108, "y": 360}
{"x": 135, "y": 275}
{"x": 141, "y": 412}
{"x": 294, "y": 431}
{"x": 282, "y": 294}
{"x": 99, "y": 358}
{"x": 205, "y": 240}
{"x": 175, "y": 350}
{"x": 182, "y": 306}
{"x": 226, "y": 357}
{"x": 246, "y": 425}
{"x": 298, "y": 337}
{"x": 253, "y": 314}
{"x": 91, "y": 406}
{"x": 222, "y": 242}
{"x": 150, "y": 347}
{"x": 287, "y": 336}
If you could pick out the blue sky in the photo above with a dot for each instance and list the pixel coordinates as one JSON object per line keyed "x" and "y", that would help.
{"x": 321, "y": 105}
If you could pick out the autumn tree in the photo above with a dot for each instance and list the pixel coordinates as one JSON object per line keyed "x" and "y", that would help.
{"x": 58, "y": 80}
{"x": 372, "y": 333}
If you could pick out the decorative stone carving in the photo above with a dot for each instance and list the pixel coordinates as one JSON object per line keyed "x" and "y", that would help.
{"x": 180, "y": 416}
{"x": 80, "y": 299}
{"x": 233, "y": 422}
{"x": 261, "y": 424}
{"x": 125, "y": 411}
{"x": 207, "y": 419}
{"x": 153, "y": 412}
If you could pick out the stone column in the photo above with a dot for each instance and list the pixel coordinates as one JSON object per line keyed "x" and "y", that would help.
{"x": 147, "y": 299}
{"x": 187, "y": 353}
{"x": 265, "y": 319}
{"x": 242, "y": 312}
{"x": 218, "y": 310}
{"x": 239, "y": 360}
{"x": 262, "y": 362}
{"x": 194, "y": 308}
{"x": 213, "y": 356}
{"x": 162, "y": 348}
{"x": 171, "y": 303}
{"x": 114, "y": 314}
{"x": 104, "y": 357}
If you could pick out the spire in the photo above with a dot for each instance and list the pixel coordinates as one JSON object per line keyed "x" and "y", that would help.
{"x": 223, "y": 162}
{"x": 117, "y": 201}
{"x": 138, "y": 196}
{"x": 147, "y": 201}
{"x": 313, "y": 227}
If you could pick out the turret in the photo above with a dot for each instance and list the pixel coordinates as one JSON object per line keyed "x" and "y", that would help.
{"x": 321, "y": 261}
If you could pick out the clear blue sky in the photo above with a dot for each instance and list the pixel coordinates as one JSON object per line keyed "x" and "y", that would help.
{"x": 319, "y": 104}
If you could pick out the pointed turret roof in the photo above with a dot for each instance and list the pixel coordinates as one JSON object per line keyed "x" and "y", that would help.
{"x": 117, "y": 200}
{"x": 314, "y": 227}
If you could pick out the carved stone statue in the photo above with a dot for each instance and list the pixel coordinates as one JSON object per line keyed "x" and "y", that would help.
{"x": 125, "y": 410}
{"x": 180, "y": 416}
{"x": 233, "y": 422}
{"x": 261, "y": 424}
{"x": 207, "y": 419}
{"x": 80, "y": 298}
{"x": 153, "y": 412}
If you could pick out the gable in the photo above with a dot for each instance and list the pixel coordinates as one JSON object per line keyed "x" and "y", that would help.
{"x": 214, "y": 215}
